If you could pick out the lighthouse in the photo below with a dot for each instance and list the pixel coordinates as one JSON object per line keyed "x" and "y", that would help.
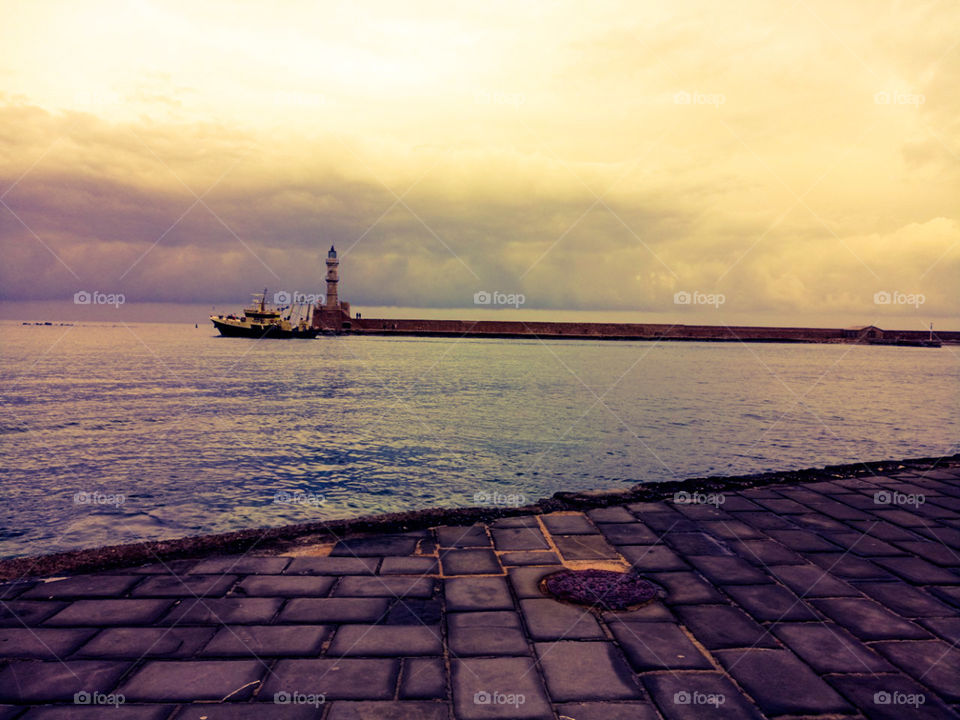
{"x": 333, "y": 278}
{"x": 332, "y": 315}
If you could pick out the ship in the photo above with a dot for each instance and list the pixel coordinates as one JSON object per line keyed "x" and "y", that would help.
{"x": 259, "y": 321}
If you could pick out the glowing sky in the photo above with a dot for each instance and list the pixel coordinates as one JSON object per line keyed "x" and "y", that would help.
{"x": 796, "y": 156}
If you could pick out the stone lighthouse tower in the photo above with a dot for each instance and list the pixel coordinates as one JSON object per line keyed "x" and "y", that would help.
{"x": 333, "y": 278}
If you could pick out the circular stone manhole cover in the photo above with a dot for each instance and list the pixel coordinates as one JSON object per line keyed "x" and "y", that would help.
{"x": 606, "y": 589}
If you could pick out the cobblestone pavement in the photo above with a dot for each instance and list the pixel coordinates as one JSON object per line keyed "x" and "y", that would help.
{"x": 829, "y": 599}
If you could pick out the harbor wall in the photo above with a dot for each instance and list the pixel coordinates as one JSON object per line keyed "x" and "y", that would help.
{"x": 628, "y": 331}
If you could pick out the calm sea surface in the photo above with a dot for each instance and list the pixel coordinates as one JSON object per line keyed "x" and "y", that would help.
{"x": 117, "y": 433}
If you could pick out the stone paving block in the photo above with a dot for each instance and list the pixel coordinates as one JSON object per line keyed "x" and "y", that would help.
{"x": 837, "y": 510}
{"x": 770, "y": 603}
{"x": 519, "y": 539}
{"x": 664, "y": 522}
{"x": 905, "y": 600}
{"x": 848, "y": 567}
{"x": 654, "y": 611}
{"x": 762, "y": 520}
{"x": 586, "y": 671}
{"x": 811, "y": 581}
{"x": 933, "y": 663}
{"x": 261, "y": 641}
{"x": 463, "y": 536}
{"x": 548, "y": 619}
{"x": 695, "y": 543}
{"x": 780, "y": 683}
{"x": 946, "y": 627}
{"x": 481, "y": 593}
{"x": 242, "y": 565}
{"x": 336, "y": 679}
{"x": 947, "y": 594}
{"x": 166, "y": 567}
{"x": 248, "y": 711}
{"x": 697, "y": 695}
{"x": 828, "y": 648}
{"x": 17, "y": 613}
{"x": 94, "y": 712}
{"x": 571, "y": 524}
{"x": 701, "y": 512}
{"x": 868, "y": 620}
{"x": 414, "y": 611}
{"x": 486, "y": 633}
{"x": 386, "y": 641}
{"x": 191, "y": 681}
{"x": 83, "y": 586}
{"x": 32, "y": 681}
{"x": 482, "y": 688}
{"x": 469, "y": 562}
{"x": 728, "y": 570}
{"x": 606, "y": 515}
{"x": 781, "y": 506}
{"x": 864, "y": 545}
{"x": 685, "y": 588}
{"x": 192, "y": 586}
{"x": 723, "y": 626}
{"x": 332, "y": 566}
{"x": 516, "y": 521}
{"x": 919, "y": 571}
{"x": 41, "y": 643}
{"x": 526, "y": 580}
{"x": 802, "y": 541}
{"x": 874, "y": 695}
{"x": 584, "y": 547}
{"x": 658, "y": 646}
{"x": 635, "y": 533}
{"x": 223, "y": 611}
{"x": 375, "y": 545}
{"x": 110, "y": 612}
{"x": 141, "y": 642}
{"x": 731, "y": 530}
{"x": 653, "y": 558}
{"x": 529, "y": 557}
{"x": 618, "y": 710}
{"x": 765, "y": 552}
{"x": 390, "y": 710}
{"x": 737, "y": 502}
{"x": 932, "y": 551}
{"x": 284, "y": 586}
{"x": 409, "y": 566}
{"x": 819, "y": 523}
{"x": 334, "y": 610}
{"x": 883, "y": 530}
{"x": 423, "y": 678}
{"x": 385, "y": 586}
{"x": 15, "y": 588}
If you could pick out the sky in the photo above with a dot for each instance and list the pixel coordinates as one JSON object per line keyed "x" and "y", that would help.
{"x": 768, "y": 161}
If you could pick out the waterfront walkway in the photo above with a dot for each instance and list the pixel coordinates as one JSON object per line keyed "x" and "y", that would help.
{"x": 827, "y": 599}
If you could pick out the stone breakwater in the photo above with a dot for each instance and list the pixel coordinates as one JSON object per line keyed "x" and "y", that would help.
{"x": 822, "y": 594}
